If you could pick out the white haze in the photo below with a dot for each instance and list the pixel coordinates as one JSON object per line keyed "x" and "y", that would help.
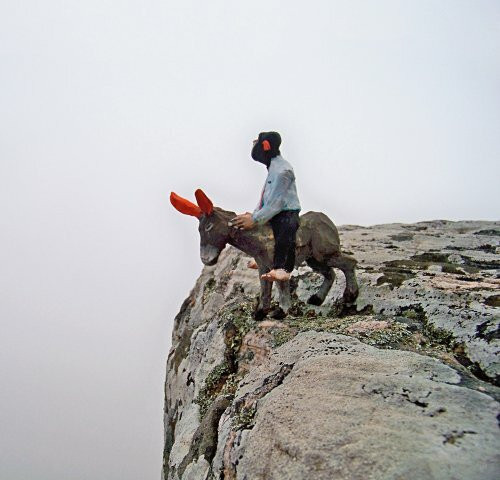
{"x": 389, "y": 112}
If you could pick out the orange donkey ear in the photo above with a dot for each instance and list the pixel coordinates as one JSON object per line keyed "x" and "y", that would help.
{"x": 204, "y": 202}
{"x": 185, "y": 206}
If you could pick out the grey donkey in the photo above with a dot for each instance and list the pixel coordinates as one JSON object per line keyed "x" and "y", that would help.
{"x": 318, "y": 244}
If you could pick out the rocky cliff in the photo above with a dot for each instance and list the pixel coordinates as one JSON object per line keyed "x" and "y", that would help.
{"x": 402, "y": 385}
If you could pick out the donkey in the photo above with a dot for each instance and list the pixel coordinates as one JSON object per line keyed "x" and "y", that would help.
{"x": 318, "y": 244}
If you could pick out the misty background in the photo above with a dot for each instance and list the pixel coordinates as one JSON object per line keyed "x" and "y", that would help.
{"x": 389, "y": 111}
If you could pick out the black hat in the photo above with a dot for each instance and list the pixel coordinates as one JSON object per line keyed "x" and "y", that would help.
{"x": 267, "y": 147}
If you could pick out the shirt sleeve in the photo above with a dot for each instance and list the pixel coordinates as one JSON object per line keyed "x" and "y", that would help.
{"x": 276, "y": 200}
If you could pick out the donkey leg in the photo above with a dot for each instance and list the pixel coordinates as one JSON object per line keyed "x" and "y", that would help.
{"x": 285, "y": 300}
{"x": 329, "y": 276}
{"x": 347, "y": 265}
{"x": 265, "y": 296}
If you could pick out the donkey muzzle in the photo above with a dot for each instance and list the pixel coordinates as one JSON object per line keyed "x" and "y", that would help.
{"x": 209, "y": 254}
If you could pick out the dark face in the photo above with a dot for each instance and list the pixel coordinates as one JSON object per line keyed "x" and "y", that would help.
{"x": 258, "y": 153}
{"x": 214, "y": 234}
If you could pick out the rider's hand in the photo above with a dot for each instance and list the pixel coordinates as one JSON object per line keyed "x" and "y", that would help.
{"x": 243, "y": 221}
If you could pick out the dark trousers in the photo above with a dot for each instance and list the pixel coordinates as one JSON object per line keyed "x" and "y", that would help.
{"x": 285, "y": 225}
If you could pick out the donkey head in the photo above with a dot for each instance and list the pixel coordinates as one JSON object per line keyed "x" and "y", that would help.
{"x": 213, "y": 228}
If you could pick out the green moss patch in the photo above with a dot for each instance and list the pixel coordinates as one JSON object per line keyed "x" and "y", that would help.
{"x": 243, "y": 419}
{"x": 182, "y": 348}
{"x": 236, "y": 321}
{"x": 214, "y": 384}
{"x": 389, "y": 337}
{"x": 493, "y": 301}
{"x": 208, "y": 289}
{"x": 302, "y": 318}
{"x": 395, "y": 276}
{"x": 281, "y": 336}
{"x": 395, "y": 272}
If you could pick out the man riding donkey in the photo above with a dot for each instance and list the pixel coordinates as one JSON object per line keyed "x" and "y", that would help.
{"x": 314, "y": 240}
{"x": 279, "y": 205}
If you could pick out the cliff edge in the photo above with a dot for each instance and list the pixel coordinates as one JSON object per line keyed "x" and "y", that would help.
{"x": 402, "y": 385}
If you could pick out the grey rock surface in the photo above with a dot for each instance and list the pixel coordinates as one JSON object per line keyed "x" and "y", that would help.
{"x": 400, "y": 386}
{"x": 450, "y": 271}
{"x": 350, "y": 411}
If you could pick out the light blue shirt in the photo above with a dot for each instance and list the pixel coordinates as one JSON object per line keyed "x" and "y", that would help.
{"x": 279, "y": 192}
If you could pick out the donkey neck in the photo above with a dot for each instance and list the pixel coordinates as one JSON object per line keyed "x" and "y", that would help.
{"x": 251, "y": 242}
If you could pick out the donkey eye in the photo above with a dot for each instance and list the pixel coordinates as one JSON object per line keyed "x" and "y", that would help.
{"x": 209, "y": 227}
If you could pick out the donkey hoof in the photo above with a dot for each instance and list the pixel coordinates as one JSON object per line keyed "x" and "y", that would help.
{"x": 278, "y": 313}
{"x": 259, "y": 314}
{"x": 349, "y": 297}
{"x": 314, "y": 300}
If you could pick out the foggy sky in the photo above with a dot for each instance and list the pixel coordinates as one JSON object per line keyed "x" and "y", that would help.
{"x": 388, "y": 110}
